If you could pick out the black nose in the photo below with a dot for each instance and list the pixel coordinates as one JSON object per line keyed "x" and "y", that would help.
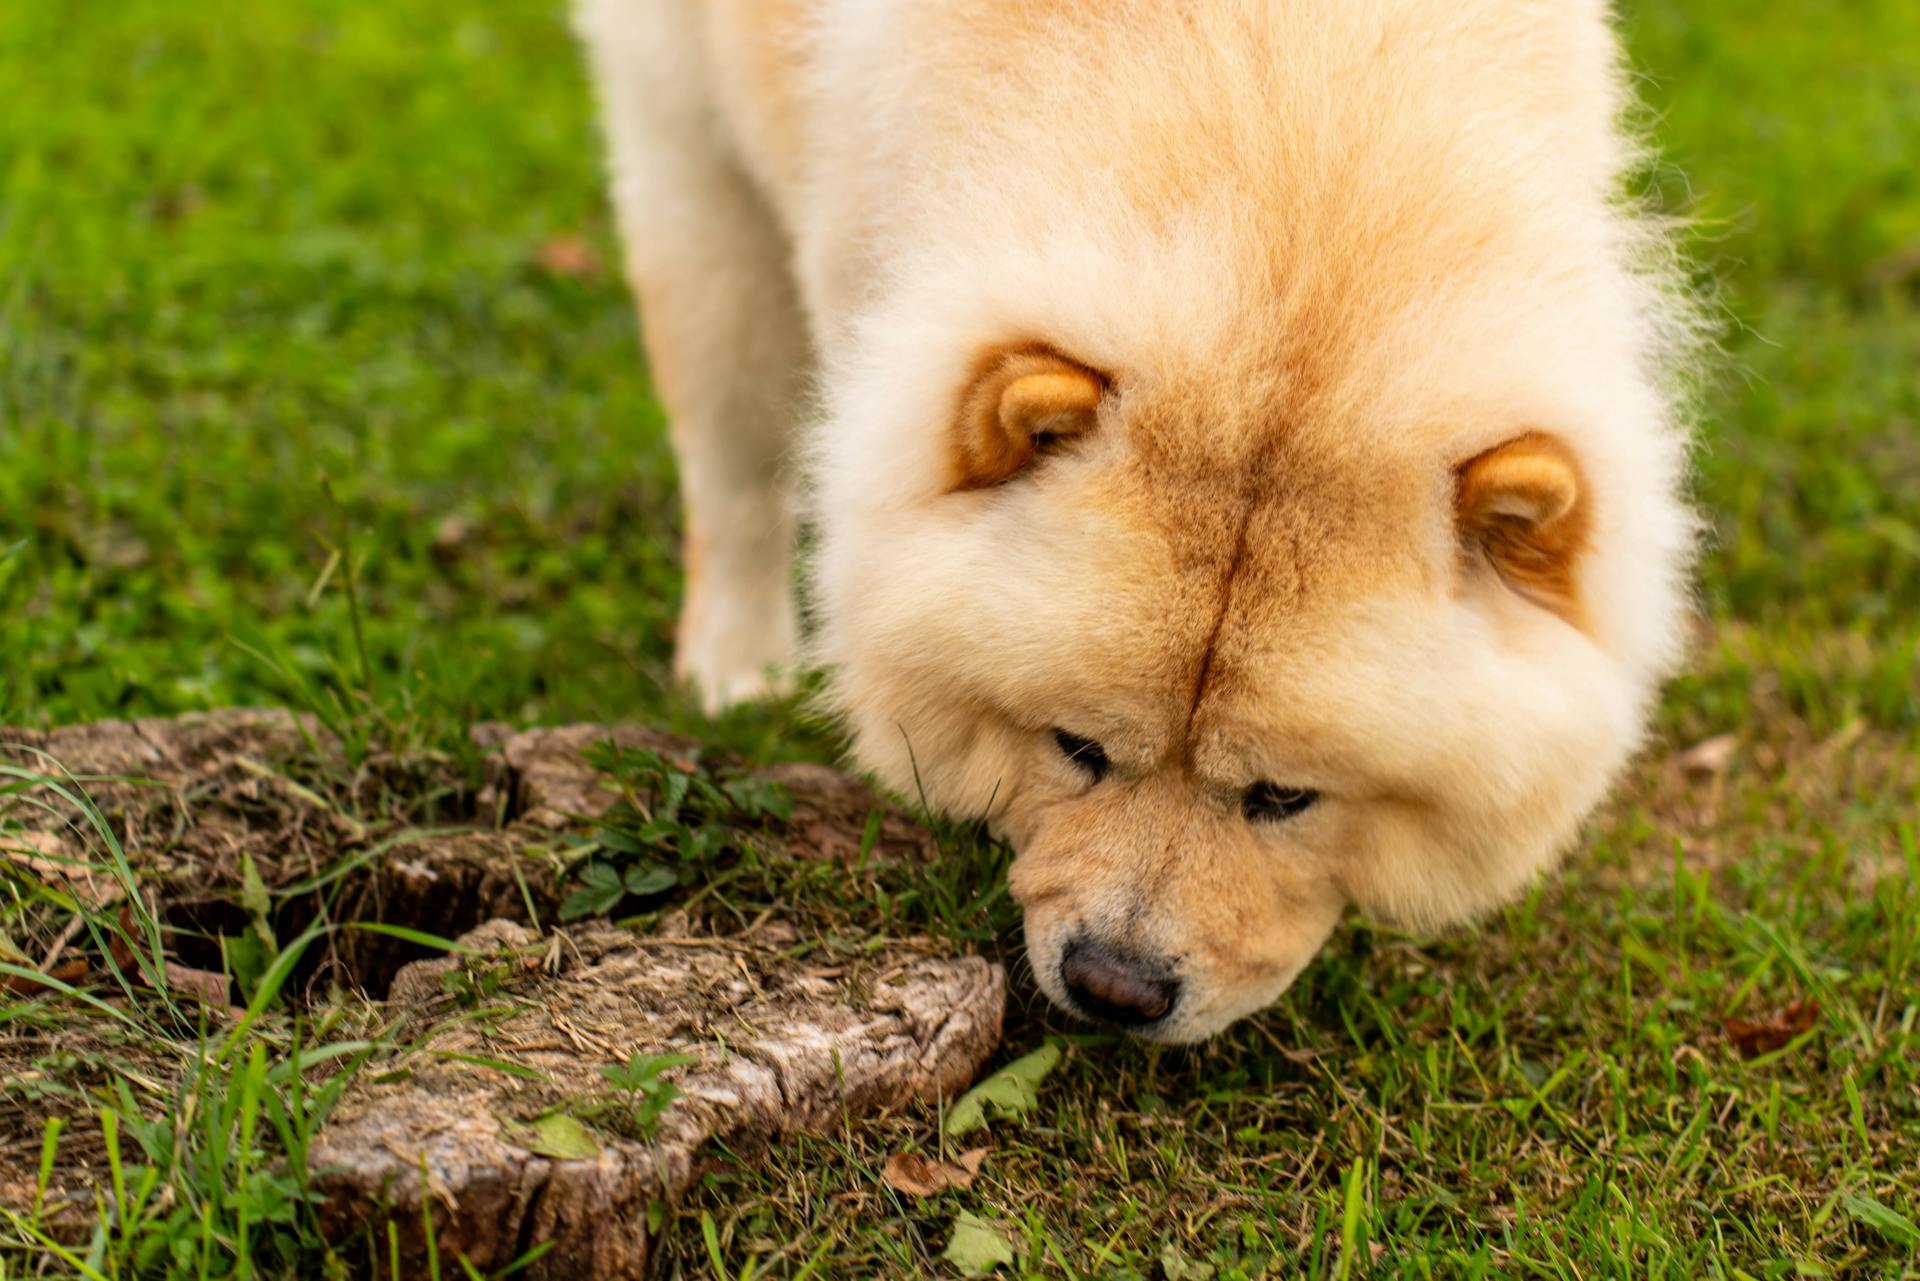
{"x": 1106, "y": 985}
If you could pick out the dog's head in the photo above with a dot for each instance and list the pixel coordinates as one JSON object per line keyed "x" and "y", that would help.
{"x": 1216, "y": 677}
{"x": 1251, "y": 561}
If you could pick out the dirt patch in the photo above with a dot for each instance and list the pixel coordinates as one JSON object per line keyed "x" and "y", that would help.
{"x": 775, "y": 1045}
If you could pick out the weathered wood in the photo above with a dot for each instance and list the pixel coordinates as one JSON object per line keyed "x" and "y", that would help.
{"x": 779, "y": 1047}
{"x": 542, "y": 778}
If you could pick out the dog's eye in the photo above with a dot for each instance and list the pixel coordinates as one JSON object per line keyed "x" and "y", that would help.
{"x": 1271, "y": 803}
{"x": 1084, "y": 752}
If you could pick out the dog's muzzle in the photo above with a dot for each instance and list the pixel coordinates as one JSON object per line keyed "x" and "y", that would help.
{"x": 1105, "y": 984}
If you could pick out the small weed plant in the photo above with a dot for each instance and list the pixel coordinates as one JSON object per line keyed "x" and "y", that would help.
{"x": 672, "y": 824}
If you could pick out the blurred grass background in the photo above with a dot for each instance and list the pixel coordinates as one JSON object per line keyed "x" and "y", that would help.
{"x": 273, "y": 276}
{"x": 243, "y": 248}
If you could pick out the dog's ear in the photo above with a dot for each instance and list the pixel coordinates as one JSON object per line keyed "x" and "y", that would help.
{"x": 1524, "y": 505}
{"x": 1019, "y": 402}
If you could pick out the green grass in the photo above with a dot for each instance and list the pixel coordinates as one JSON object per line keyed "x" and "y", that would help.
{"x": 202, "y": 1130}
{"x": 269, "y": 285}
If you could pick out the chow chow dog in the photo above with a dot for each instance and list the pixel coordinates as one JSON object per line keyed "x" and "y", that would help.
{"x": 1240, "y": 438}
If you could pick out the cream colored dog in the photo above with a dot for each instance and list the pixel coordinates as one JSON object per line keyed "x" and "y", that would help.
{"x": 1246, "y": 473}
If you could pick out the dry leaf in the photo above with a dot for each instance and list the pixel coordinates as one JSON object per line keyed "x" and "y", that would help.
{"x": 1751, "y": 1038}
{"x": 921, "y": 1175}
{"x": 70, "y": 973}
{"x": 1710, "y": 756}
{"x": 203, "y": 985}
{"x": 120, "y": 950}
{"x": 451, "y": 532}
{"x": 571, "y": 257}
{"x": 1175, "y": 1265}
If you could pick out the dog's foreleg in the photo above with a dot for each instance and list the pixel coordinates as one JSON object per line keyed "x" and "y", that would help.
{"x": 728, "y": 349}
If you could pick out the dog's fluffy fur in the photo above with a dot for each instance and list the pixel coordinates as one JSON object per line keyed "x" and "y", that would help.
{"x": 1266, "y": 390}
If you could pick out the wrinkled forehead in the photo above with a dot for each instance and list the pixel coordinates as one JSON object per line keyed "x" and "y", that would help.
{"x": 1251, "y": 462}
{"x": 1251, "y": 557}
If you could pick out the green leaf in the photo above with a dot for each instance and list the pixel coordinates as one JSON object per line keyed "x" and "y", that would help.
{"x": 674, "y": 792}
{"x": 1011, "y": 1092}
{"x": 642, "y": 1069}
{"x": 247, "y": 960}
{"x": 1890, "y": 1223}
{"x": 591, "y": 902}
{"x": 1178, "y": 1267}
{"x": 559, "y": 1136}
{"x": 486, "y": 1061}
{"x": 49, "y": 1147}
{"x": 977, "y": 1248}
{"x": 659, "y": 832}
{"x": 600, "y": 876}
{"x": 410, "y": 935}
{"x": 617, "y": 839}
{"x": 258, "y": 904}
{"x": 649, "y": 878}
{"x": 702, "y": 845}
{"x": 253, "y": 890}
{"x": 269, "y": 988}
{"x": 759, "y": 797}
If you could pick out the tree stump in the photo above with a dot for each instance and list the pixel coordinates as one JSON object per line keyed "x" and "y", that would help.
{"x": 224, "y": 816}
{"x": 778, "y": 1046}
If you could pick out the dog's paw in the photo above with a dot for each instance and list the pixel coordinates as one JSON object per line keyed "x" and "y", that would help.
{"x": 720, "y": 688}
{"x": 735, "y": 656}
